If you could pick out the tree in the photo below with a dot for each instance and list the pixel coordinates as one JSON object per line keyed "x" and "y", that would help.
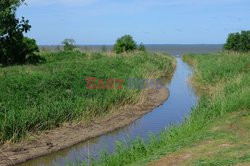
{"x": 68, "y": 44}
{"x": 125, "y": 44}
{"x": 245, "y": 41}
{"x": 14, "y": 47}
{"x": 233, "y": 42}
{"x": 238, "y": 41}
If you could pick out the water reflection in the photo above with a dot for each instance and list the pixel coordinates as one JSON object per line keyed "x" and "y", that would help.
{"x": 173, "y": 111}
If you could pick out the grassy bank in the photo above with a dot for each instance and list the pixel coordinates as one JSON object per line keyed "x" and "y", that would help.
{"x": 41, "y": 97}
{"x": 211, "y": 136}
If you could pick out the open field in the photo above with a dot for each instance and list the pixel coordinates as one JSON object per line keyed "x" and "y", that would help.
{"x": 41, "y": 97}
{"x": 217, "y": 132}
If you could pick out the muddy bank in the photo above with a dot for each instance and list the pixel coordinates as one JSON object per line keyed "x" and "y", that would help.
{"x": 71, "y": 134}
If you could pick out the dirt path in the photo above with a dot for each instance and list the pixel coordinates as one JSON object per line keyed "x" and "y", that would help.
{"x": 71, "y": 134}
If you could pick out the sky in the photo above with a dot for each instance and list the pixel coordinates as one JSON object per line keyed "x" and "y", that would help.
{"x": 148, "y": 21}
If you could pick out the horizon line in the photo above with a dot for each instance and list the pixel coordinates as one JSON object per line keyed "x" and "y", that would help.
{"x": 114, "y": 44}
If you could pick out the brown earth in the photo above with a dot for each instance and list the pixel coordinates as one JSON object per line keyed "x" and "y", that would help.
{"x": 37, "y": 145}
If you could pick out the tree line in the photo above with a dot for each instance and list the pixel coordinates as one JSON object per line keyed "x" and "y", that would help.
{"x": 15, "y": 48}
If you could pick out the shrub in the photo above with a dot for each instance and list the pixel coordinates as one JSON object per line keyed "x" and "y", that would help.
{"x": 69, "y": 44}
{"x": 104, "y": 48}
{"x": 14, "y": 47}
{"x": 30, "y": 49}
{"x": 125, "y": 44}
{"x": 239, "y": 41}
{"x": 30, "y": 46}
{"x": 141, "y": 47}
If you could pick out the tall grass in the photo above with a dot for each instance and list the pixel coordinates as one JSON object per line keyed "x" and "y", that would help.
{"x": 41, "y": 97}
{"x": 224, "y": 83}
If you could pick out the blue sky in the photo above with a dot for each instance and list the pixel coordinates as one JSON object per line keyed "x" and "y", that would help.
{"x": 148, "y": 21}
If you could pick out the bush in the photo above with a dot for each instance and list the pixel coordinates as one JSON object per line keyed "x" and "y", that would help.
{"x": 69, "y": 44}
{"x": 125, "y": 44}
{"x": 104, "y": 48}
{"x": 30, "y": 46}
{"x": 14, "y": 47}
{"x": 238, "y": 41}
{"x": 141, "y": 47}
{"x": 30, "y": 49}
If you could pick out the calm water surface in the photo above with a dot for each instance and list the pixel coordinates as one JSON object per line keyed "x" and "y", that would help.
{"x": 172, "y": 112}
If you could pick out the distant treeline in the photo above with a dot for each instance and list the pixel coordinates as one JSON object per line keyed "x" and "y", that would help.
{"x": 80, "y": 47}
{"x": 173, "y": 49}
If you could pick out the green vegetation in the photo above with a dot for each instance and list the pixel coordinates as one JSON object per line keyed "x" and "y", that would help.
{"x": 217, "y": 132}
{"x": 141, "y": 47}
{"x": 238, "y": 41}
{"x": 104, "y": 48}
{"x": 41, "y": 97}
{"x": 69, "y": 44}
{"x": 14, "y": 47}
{"x": 125, "y": 44}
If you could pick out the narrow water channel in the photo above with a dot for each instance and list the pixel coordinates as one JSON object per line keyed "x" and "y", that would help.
{"x": 172, "y": 112}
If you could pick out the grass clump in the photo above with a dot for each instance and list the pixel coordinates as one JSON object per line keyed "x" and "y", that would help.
{"x": 223, "y": 80}
{"x": 41, "y": 97}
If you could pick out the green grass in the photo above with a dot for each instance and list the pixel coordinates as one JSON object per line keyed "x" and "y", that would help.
{"x": 41, "y": 97}
{"x": 223, "y": 82}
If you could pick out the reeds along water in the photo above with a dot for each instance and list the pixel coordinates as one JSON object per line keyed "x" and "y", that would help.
{"x": 172, "y": 112}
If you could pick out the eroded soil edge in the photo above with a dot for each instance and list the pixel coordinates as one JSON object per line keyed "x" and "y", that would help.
{"x": 71, "y": 134}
